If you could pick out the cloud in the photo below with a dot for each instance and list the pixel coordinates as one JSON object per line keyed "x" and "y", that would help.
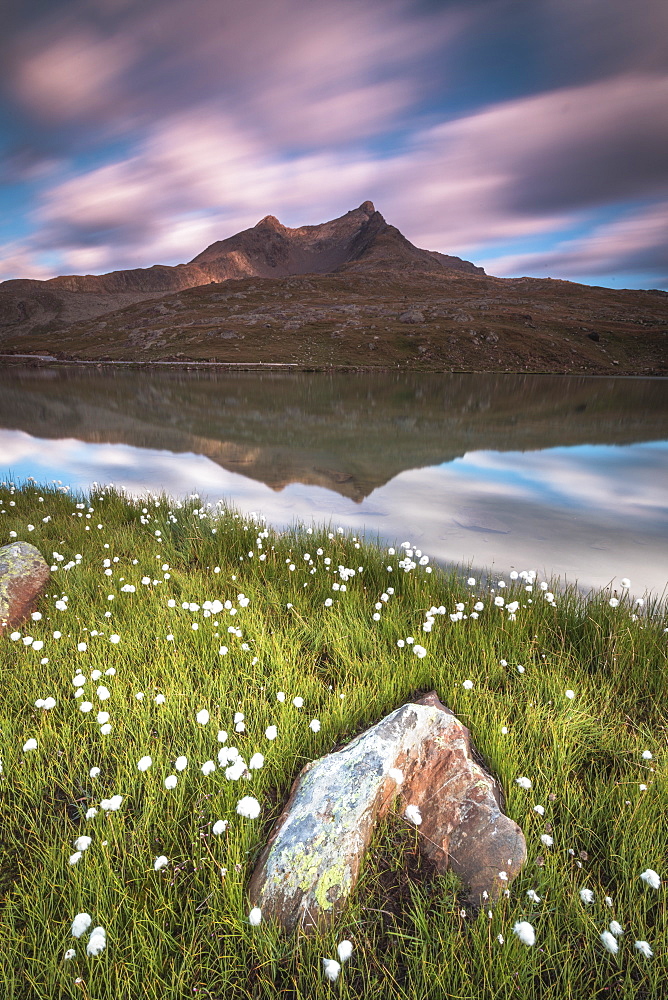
{"x": 634, "y": 243}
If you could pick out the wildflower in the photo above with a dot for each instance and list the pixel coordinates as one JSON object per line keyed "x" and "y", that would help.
{"x": 587, "y": 896}
{"x": 413, "y": 815}
{"x": 86, "y": 706}
{"x": 248, "y": 807}
{"x": 97, "y": 941}
{"x": 467, "y": 685}
{"x": 499, "y": 938}
{"x": 504, "y": 730}
{"x": 647, "y": 755}
{"x": 74, "y": 858}
{"x": 139, "y": 696}
{"x": 613, "y": 602}
{"x": 91, "y": 812}
{"x": 625, "y": 582}
{"x": 256, "y": 762}
{"x": 608, "y": 902}
{"x": 202, "y": 717}
{"x": 523, "y": 782}
{"x": 651, "y": 878}
{"x": 102, "y": 692}
{"x": 570, "y": 694}
{"x": 540, "y": 810}
{"x": 345, "y": 950}
{"x": 499, "y": 601}
{"x": 616, "y": 928}
{"x": 280, "y": 696}
{"x": 94, "y": 771}
{"x": 525, "y": 932}
{"x": 332, "y": 969}
{"x": 105, "y": 729}
{"x": 271, "y": 732}
{"x": 181, "y": 763}
{"x": 69, "y": 954}
{"x": 533, "y": 896}
{"x": 144, "y": 763}
{"x": 419, "y": 651}
{"x": 644, "y": 948}
{"x": 171, "y": 781}
{"x": 220, "y": 826}
{"x": 298, "y": 702}
{"x": 546, "y": 839}
{"x": 609, "y": 942}
{"x": 222, "y": 736}
{"x": 208, "y": 767}
{"x": 83, "y": 843}
{"x": 30, "y": 744}
{"x": 80, "y": 924}
{"x": 314, "y": 724}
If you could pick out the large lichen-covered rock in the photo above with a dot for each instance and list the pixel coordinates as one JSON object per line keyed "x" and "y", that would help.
{"x": 313, "y": 856}
{"x": 23, "y": 576}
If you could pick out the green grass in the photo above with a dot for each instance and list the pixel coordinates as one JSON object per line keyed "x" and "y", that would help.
{"x": 183, "y": 931}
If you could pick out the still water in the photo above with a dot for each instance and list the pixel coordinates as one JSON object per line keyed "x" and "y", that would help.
{"x": 565, "y": 475}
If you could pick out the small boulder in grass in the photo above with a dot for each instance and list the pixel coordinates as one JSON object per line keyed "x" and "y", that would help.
{"x": 311, "y": 862}
{"x": 23, "y": 576}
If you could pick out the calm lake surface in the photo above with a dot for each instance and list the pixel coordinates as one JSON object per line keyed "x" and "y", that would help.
{"x": 564, "y": 475}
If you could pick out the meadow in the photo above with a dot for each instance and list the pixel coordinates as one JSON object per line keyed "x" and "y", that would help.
{"x": 185, "y": 659}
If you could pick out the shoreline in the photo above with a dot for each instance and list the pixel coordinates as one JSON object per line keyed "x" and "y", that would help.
{"x": 44, "y": 360}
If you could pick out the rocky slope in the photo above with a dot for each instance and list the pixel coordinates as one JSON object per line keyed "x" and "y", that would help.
{"x": 352, "y": 292}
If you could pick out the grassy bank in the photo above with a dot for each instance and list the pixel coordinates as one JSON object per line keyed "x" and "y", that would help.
{"x": 298, "y": 623}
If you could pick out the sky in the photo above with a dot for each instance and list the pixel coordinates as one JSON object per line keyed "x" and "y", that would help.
{"x": 529, "y": 136}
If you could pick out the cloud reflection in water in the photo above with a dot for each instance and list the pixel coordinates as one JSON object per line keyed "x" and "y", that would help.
{"x": 591, "y": 513}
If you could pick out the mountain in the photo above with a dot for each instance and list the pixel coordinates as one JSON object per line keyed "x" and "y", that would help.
{"x": 352, "y": 292}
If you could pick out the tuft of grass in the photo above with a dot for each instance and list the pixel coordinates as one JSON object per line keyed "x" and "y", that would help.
{"x": 183, "y": 931}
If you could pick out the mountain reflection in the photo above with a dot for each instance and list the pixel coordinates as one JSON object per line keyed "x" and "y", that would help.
{"x": 347, "y": 433}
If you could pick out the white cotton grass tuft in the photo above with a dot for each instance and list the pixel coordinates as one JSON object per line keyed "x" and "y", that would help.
{"x": 144, "y": 763}
{"x": 220, "y": 826}
{"x": 271, "y": 732}
{"x": 525, "y": 932}
{"x": 256, "y": 762}
{"x": 30, "y": 744}
{"x": 413, "y": 815}
{"x": 248, "y": 807}
{"x": 644, "y": 948}
{"x": 80, "y": 924}
{"x": 75, "y": 858}
{"x": 332, "y": 969}
{"x": 160, "y": 862}
{"x": 83, "y": 843}
{"x": 587, "y": 896}
{"x": 609, "y": 942}
{"x": 202, "y": 716}
{"x": 181, "y": 763}
{"x": 546, "y": 839}
{"x": 616, "y": 928}
{"x": 69, "y": 954}
{"x": 345, "y": 950}
{"x": 651, "y": 878}
{"x": 523, "y": 782}
{"x": 97, "y": 941}
{"x": 255, "y": 916}
{"x": 171, "y": 781}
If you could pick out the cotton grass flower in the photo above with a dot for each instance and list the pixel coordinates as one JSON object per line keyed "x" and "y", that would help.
{"x": 97, "y": 941}
{"x": 248, "y": 807}
{"x": 467, "y": 685}
{"x": 413, "y": 815}
{"x": 647, "y": 755}
{"x": 30, "y": 744}
{"x": 220, "y": 826}
{"x": 314, "y": 725}
{"x": 202, "y": 716}
{"x": 525, "y": 932}
{"x": 75, "y": 858}
{"x": 181, "y": 763}
{"x": 208, "y": 767}
{"x": 546, "y": 839}
{"x": 344, "y": 950}
{"x": 523, "y": 782}
{"x": 644, "y": 948}
{"x": 609, "y": 942}
{"x": 80, "y": 924}
{"x": 83, "y": 843}
{"x": 256, "y": 762}
{"x": 255, "y": 916}
{"x": 160, "y": 863}
{"x": 144, "y": 763}
{"x": 651, "y": 878}
{"x": 587, "y": 896}
{"x": 69, "y": 954}
{"x": 171, "y": 782}
{"x": 332, "y": 969}
{"x": 616, "y": 928}
{"x": 271, "y": 732}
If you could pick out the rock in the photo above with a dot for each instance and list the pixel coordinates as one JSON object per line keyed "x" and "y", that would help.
{"x": 412, "y": 316}
{"x": 23, "y": 576}
{"x": 311, "y": 862}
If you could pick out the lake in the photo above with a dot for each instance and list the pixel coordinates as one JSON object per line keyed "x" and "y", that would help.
{"x": 564, "y": 475}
